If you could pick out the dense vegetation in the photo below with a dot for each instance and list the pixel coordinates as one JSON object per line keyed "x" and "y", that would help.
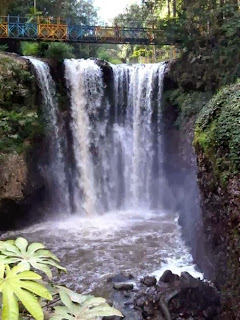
{"x": 218, "y": 132}
{"x": 57, "y": 51}
{"x": 19, "y": 120}
{"x": 208, "y": 34}
{"x": 83, "y": 11}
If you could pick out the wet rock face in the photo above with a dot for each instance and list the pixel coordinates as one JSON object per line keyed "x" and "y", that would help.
{"x": 106, "y": 69}
{"x": 173, "y": 297}
{"x": 13, "y": 176}
{"x": 21, "y": 188}
{"x": 221, "y": 207}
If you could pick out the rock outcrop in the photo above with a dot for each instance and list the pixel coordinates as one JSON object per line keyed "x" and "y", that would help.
{"x": 172, "y": 297}
{"x": 217, "y": 145}
{"x": 21, "y": 142}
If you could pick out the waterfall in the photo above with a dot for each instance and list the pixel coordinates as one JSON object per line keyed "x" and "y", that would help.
{"x": 117, "y": 149}
{"x": 85, "y": 81}
{"x": 54, "y": 172}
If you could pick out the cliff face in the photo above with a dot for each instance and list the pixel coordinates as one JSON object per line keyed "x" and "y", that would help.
{"x": 211, "y": 122}
{"x": 217, "y": 144}
{"x": 179, "y": 113}
{"x": 21, "y": 137}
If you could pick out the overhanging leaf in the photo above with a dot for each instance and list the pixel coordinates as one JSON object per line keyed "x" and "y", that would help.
{"x": 90, "y": 307}
{"x": 17, "y": 283}
{"x": 28, "y": 255}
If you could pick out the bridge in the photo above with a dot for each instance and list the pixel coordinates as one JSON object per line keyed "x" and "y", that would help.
{"x": 59, "y": 29}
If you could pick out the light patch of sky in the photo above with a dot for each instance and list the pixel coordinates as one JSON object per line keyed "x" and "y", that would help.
{"x": 109, "y": 9}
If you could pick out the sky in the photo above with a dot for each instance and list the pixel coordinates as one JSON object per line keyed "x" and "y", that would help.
{"x": 108, "y": 9}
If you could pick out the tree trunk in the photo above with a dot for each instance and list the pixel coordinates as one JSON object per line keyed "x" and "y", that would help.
{"x": 174, "y": 8}
{"x": 169, "y": 8}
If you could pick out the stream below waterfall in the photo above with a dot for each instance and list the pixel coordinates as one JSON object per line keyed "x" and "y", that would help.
{"x": 106, "y": 184}
{"x": 93, "y": 249}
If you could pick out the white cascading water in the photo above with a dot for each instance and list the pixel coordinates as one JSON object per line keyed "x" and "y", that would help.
{"x": 145, "y": 80}
{"x": 55, "y": 172}
{"x": 117, "y": 169}
{"x": 114, "y": 148}
{"x": 84, "y": 79}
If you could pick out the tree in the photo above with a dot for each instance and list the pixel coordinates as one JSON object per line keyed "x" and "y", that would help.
{"x": 79, "y": 11}
{"x": 134, "y": 16}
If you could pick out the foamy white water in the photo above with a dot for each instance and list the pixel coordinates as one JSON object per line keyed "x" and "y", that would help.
{"x": 92, "y": 249}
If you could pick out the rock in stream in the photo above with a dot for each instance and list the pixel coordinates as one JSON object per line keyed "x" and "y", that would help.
{"x": 173, "y": 297}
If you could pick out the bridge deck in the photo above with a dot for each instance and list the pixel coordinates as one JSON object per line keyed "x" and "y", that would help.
{"x": 58, "y": 29}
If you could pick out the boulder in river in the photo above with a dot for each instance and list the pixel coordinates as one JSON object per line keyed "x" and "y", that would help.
{"x": 123, "y": 286}
{"x": 149, "y": 281}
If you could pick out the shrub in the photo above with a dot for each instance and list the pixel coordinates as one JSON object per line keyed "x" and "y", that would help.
{"x": 29, "y": 48}
{"x": 3, "y": 47}
{"x": 59, "y": 51}
{"x": 18, "y": 129}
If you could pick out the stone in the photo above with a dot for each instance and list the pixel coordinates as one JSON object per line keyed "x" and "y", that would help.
{"x": 121, "y": 277}
{"x": 140, "y": 301}
{"x": 188, "y": 281}
{"x": 123, "y": 286}
{"x": 149, "y": 281}
{"x": 169, "y": 277}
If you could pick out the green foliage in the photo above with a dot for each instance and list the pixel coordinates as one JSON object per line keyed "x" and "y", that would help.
{"x": 218, "y": 132}
{"x": 19, "y": 120}
{"x": 16, "y": 285}
{"x": 81, "y": 307}
{"x": 109, "y": 55}
{"x": 3, "y": 47}
{"x": 59, "y": 51}
{"x": 21, "y": 288}
{"x": 15, "y": 83}
{"x": 18, "y": 129}
{"x": 142, "y": 52}
{"x": 104, "y": 55}
{"x": 34, "y": 255}
{"x": 82, "y": 11}
{"x": 30, "y": 48}
{"x": 188, "y": 103}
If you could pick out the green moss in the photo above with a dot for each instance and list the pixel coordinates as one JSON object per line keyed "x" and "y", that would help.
{"x": 217, "y": 132}
{"x": 206, "y": 138}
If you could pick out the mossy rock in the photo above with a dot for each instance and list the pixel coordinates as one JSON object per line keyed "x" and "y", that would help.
{"x": 19, "y": 119}
{"x": 217, "y": 133}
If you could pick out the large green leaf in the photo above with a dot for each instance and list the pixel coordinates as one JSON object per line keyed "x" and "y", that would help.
{"x": 29, "y": 255}
{"x": 19, "y": 284}
{"x": 82, "y": 307}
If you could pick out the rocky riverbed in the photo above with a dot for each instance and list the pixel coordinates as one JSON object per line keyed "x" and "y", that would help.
{"x": 173, "y": 297}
